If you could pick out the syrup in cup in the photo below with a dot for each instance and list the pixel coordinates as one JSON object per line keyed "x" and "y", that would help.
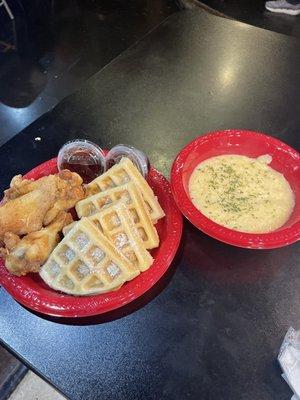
{"x": 84, "y": 157}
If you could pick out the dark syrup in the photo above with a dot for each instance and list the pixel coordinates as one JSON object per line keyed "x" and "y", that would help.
{"x": 84, "y": 164}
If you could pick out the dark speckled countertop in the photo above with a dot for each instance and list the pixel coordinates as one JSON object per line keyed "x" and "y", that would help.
{"x": 214, "y": 324}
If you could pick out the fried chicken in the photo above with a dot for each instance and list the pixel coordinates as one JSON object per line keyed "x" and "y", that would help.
{"x": 26, "y": 213}
{"x": 31, "y": 252}
{"x": 69, "y": 192}
{"x": 28, "y": 204}
{"x": 20, "y": 186}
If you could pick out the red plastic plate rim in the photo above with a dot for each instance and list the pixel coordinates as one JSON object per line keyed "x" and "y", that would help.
{"x": 270, "y": 240}
{"x": 34, "y": 294}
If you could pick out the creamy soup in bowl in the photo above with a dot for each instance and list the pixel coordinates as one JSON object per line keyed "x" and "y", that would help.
{"x": 242, "y": 193}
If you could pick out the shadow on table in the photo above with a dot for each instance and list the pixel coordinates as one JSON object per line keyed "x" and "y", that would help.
{"x": 223, "y": 264}
{"x": 128, "y": 308}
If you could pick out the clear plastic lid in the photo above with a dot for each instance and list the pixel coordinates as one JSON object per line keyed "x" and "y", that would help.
{"x": 139, "y": 159}
{"x": 82, "y": 156}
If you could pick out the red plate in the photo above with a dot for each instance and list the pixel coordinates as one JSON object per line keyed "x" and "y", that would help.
{"x": 32, "y": 292}
{"x": 252, "y": 144}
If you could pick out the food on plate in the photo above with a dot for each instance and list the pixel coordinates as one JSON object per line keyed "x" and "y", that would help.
{"x": 242, "y": 193}
{"x": 107, "y": 247}
{"x": 136, "y": 206}
{"x": 122, "y": 173}
{"x": 86, "y": 262}
{"x": 28, "y": 205}
{"x": 82, "y": 156}
{"x": 122, "y": 226}
{"x": 29, "y": 253}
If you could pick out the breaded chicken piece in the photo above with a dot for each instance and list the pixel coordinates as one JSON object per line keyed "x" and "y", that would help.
{"x": 26, "y": 213}
{"x": 28, "y": 205}
{"x": 20, "y": 186}
{"x": 69, "y": 191}
{"x": 32, "y": 251}
{"x": 68, "y": 187}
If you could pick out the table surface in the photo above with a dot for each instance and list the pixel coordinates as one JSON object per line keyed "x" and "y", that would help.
{"x": 214, "y": 324}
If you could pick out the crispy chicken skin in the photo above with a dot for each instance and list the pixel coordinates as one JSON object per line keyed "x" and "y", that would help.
{"x": 31, "y": 252}
{"x": 63, "y": 180}
{"x": 26, "y": 213}
{"x": 20, "y": 186}
{"x": 69, "y": 192}
{"x": 28, "y": 205}
{"x": 36, "y": 209}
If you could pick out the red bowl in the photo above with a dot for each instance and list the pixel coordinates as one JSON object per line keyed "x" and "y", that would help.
{"x": 32, "y": 292}
{"x": 252, "y": 144}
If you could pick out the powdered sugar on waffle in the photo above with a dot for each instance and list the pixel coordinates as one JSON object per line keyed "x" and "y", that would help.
{"x": 121, "y": 241}
{"x": 82, "y": 240}
{"x": 113, "y": 270}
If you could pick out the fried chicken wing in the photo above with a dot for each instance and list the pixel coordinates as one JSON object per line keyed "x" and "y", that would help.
{"x": 63, "y": 180}
{"x": 26, "y": 213}
{"x": 28, "y": 205}
{"x": 20, "y": 186}
{"x": 31, "y": 252}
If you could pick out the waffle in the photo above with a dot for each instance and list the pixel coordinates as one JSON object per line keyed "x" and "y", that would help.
{"x": 86, "y": 262}
{"x": 122, "y": 173}
{"x": 118, "y": 225}
{"x": 135, "y": 204}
